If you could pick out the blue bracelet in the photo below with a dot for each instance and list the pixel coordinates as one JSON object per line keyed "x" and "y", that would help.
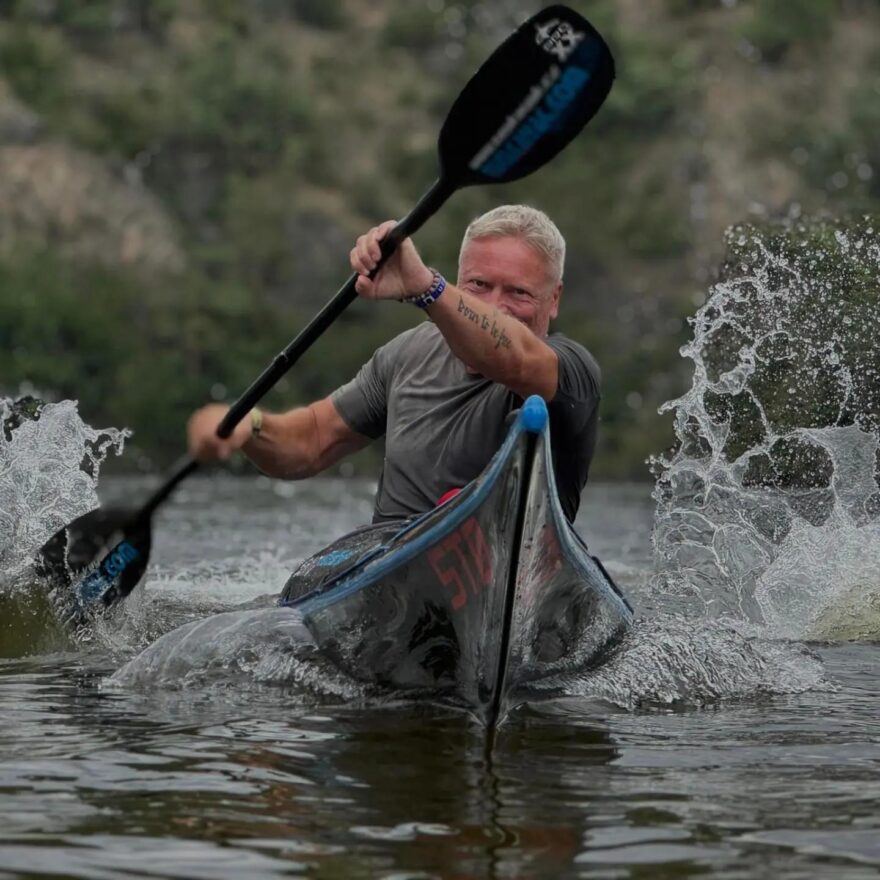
{"x": 431, "y": 295}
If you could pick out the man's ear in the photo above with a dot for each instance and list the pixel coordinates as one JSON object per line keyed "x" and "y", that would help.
{"x": 557, "y": 294}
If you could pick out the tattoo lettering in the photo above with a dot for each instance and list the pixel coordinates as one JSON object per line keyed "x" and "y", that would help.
{"x": 502, "y": 340}
{"x": 469, "y": 313}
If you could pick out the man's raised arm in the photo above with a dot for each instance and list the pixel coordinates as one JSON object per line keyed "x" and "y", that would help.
{"x": 494, "y": 319}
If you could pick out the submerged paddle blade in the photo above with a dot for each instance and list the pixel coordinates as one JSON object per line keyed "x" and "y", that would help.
{"x": 104, "y": 553}
{"x": 529, "y": 99}
{"x": 119, "y": 570}
{"x": 95, "y": 561}
{"x": 76, "y": 547}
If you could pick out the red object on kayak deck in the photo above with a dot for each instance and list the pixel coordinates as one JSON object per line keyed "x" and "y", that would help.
{"x": 447, "y": 495}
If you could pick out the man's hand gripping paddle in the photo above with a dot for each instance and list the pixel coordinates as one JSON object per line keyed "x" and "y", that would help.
{"x": 527, "y": 101}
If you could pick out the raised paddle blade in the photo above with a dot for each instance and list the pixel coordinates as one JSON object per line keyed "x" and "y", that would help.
{"x": 529, "y": 99}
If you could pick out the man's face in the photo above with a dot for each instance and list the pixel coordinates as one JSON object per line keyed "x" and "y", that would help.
{"x": 513, "y": 277}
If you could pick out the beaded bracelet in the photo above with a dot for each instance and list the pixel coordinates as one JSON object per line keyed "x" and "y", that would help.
{"x": 431, "y": 295}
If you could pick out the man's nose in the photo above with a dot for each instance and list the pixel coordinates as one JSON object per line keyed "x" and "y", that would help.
{"x": 496, "y": 299}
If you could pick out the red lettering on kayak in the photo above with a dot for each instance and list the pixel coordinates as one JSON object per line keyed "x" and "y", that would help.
{"x": 479, "y": 548}
{"x": 461, "y": 560}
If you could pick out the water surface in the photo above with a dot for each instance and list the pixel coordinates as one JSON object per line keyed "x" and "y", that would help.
{"x": 704, "y": 747}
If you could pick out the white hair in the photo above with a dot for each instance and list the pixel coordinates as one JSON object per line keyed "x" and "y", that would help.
{"x": 534, "y": 227}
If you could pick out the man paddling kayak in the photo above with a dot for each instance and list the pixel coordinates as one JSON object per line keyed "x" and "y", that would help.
{"x": 441, "y": 392}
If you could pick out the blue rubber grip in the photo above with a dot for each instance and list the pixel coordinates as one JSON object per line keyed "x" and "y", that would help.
{"x": 534, "y": 414}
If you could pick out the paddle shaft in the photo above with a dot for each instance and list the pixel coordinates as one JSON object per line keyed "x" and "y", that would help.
{"x": 426, "y": 207}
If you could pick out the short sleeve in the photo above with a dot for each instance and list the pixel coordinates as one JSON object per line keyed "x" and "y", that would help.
{"x": 578, "y": 389}
{"x": 363, "y": 402}
{"x": 574, "y": 420}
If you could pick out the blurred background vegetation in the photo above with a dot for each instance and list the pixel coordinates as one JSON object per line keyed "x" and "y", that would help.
{"x": 181, "y": 181}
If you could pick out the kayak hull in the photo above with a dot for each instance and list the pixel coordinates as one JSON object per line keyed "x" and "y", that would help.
{"x": 473, "y": 601}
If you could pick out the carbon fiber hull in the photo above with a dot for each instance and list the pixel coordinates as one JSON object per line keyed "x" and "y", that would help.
{"x": 472, "y": 602}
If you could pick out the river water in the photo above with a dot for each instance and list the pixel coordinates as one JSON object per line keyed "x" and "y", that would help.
{"x": 706, "y": 747}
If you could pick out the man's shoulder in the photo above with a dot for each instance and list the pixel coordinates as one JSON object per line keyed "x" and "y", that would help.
{"x": 561, "y": 341}
{"x": 573, "y": 355}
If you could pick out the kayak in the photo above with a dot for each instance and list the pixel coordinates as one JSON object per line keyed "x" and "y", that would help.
{"x": 472, "y": 602}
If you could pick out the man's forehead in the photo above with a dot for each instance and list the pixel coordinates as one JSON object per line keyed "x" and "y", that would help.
{"x": 476, "y": 245}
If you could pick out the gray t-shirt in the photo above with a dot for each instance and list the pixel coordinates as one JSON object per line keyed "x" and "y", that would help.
{"x": 442, "y": 424}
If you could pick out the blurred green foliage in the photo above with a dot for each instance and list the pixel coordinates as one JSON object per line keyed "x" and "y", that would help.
{"x": 94, "y": 22}
{"x": 328, "y": 14}
{"x": 687, "y": 7}
{"x": 412, "y": 26}
{"x": 235, "y": 105}
{"x": 777, "y": 25}
{"x": 135, "y": 354}
{"x": 36, "y": 63}
{"x": 273, "y": 132}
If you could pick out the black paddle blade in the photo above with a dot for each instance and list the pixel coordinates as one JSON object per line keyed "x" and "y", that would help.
{"x": 528, "y": 100}
{"x": 119, "y": 570}
{"x": 76, "y": 547}
{"x": 95, "y": 561}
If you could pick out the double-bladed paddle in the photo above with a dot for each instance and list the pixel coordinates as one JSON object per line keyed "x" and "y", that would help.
{"x": 526, "y": 102}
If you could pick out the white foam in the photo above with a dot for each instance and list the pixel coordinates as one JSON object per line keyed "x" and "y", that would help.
{"x": 771, "y": 553}
{"x": 48, "y": 474}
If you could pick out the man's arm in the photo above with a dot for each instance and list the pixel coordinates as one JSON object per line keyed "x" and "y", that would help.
{"x": 292, "y": 445}
{"x": 485, "y": 338}
{"x": 495, "y": 345}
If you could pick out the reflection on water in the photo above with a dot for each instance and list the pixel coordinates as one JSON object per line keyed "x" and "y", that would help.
{"x": 238, "y": 782}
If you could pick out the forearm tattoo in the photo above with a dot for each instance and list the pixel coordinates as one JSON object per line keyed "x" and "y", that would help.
{"x": 485, "y": 323}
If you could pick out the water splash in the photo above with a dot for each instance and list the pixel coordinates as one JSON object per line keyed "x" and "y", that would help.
{"x": 259, "y": 646}
{"x": 49, "y": 468}
{"x": 767, "y": 511}
{"x": 672, "y": 660}
{"x": 258, "y": 572}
